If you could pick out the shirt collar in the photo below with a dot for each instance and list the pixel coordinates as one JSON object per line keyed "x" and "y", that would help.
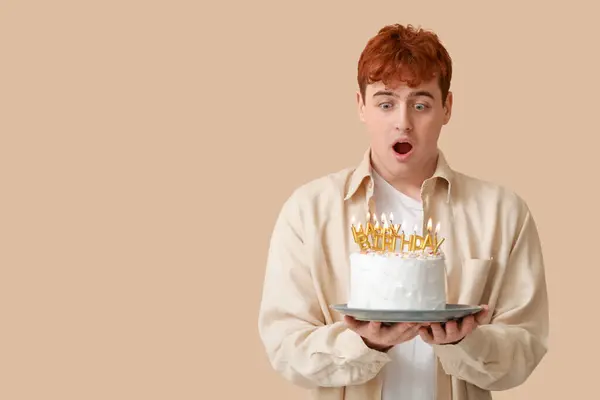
{"x": 364, "y": 171}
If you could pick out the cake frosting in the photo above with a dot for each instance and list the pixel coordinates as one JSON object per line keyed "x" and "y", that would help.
{"x": 397, "y": 281}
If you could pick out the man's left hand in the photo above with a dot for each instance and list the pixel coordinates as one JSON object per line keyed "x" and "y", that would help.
{"x": 453, "y": 331}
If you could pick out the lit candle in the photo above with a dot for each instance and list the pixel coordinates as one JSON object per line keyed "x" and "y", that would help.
{"x": 427, "y": 241}
{"x": 377, "y": 235}
{"x": 389, "y": 238}
{"x": 402, "y": 237}
{"x": 369, "y": 225}
{"x": 362, "y": 239}
{"x": 354, "y": 231}
{"x": 413, "y": 239}
{"x": 437, "y": 242}
{"x": 388, "y": 229}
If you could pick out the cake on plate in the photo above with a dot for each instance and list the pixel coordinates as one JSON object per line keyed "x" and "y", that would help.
{"x": 395, "y": 271}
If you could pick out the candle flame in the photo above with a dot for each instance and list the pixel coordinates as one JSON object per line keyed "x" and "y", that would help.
{"x": 437, "y": 228}
{"x": 391, "y": 217}
{"x": 353, "y": 220}
{"x": 429, "y": 225}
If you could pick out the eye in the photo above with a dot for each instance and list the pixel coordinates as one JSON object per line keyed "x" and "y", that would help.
{"x": 420, "y": 106}
{"x": 385, "y": 106}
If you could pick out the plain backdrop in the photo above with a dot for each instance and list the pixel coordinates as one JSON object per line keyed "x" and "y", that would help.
{"x": 146, "y": 148}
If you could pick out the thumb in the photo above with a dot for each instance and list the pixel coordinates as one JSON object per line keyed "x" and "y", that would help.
{"x": 481, "y": 315}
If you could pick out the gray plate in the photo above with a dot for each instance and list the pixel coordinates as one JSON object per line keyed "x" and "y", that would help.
{"x": 451, "y": 312}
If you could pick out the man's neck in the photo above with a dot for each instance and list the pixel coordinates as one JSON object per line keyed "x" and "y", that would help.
{"x": 410, "y": 183}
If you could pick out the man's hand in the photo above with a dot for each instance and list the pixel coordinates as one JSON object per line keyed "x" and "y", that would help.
{"x": 453, "y": 331}
{"x": 382, "y": 337}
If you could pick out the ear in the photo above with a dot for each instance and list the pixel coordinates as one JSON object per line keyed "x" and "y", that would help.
{"x": 361, "y": 106}
{"x": 448, "y": 108}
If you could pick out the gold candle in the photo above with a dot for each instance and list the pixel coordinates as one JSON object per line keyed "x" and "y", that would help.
{"x": 377, "y": 236}
{"x": 413, "y": 239}
{"x": 389, "y": 238}
{"x": 395, "y": 230}
{"x": 437, "y": 246}
{"x": 359, "y": 235}
{"x": 355, "y": 232}
{"x": 405, "y": 242}
{"x": 363, "y": 240}
{"x": 436, "y": 242}
{"x": 369, "y": 226}
{"x": 417, "y": 242}
{"x": 428, "y": 240}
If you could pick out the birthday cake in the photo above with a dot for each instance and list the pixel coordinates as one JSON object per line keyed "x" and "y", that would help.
{"x": 395, "y": 271}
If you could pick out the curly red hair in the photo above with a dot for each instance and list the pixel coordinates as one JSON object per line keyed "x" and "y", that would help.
{"x": 404, "y": 54}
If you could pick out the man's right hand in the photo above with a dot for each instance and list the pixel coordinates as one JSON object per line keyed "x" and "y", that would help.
{"x": 382, "y": 337}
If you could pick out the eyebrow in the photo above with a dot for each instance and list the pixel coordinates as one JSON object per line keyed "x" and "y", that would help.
{"x": 412, "y": 94}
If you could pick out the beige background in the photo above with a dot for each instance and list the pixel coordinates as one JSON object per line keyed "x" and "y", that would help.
{"x": 147, "y": 146}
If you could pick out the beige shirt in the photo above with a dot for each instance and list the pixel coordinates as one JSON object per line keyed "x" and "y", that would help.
{"x": 493, "y": 256}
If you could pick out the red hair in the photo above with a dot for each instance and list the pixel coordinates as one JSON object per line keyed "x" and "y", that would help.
{"x": 404, "y": 54}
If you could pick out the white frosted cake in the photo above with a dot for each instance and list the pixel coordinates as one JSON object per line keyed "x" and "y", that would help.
{"x": 395, "y": 281}
{"x": 383, "y": 277}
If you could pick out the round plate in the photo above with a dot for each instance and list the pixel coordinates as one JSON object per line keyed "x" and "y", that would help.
{"x": 451, "y": 312}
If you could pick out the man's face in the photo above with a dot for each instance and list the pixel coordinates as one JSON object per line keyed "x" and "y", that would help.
{"x": 403, "y": 125}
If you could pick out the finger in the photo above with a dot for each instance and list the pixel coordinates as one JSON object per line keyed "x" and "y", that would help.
{"x": 410, "y": 331}
{"x": 468, "y": 324}
{"x": 397, "y": 329}
{"x": 439, "y": 334}
{"x": 426, "y": 335}
{"x": 352, "y": 322}
{"x": 405, "y": 326}
{"x": 374, "y": 328}
{"x": 452, "y": 330}
{"x": 414, "y": 331}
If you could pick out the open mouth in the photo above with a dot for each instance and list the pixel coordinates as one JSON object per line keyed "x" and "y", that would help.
{"x": 402, "y": 148}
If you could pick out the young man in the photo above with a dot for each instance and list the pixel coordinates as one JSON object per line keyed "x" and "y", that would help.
{"x": 493, "y": 252}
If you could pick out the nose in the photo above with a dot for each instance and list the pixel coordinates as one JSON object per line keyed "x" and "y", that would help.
{"x": 404, "y": 121}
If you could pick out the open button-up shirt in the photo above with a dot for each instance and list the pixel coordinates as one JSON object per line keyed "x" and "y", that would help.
{"x": 493, "y": 256}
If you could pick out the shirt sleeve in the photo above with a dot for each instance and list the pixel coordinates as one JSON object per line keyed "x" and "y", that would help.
{"x": 502, "y": 354}
{"x": 299, "y": 344}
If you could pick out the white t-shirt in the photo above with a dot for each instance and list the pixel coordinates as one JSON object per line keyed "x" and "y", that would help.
{"x": 411, "y": 373}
